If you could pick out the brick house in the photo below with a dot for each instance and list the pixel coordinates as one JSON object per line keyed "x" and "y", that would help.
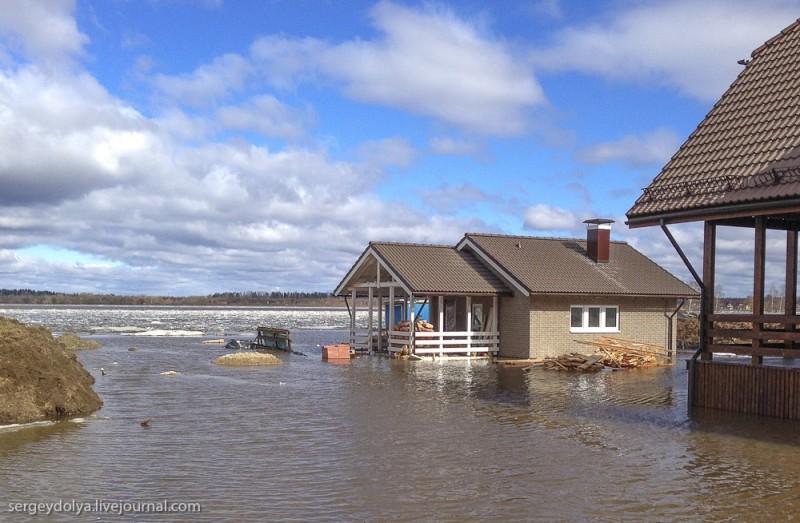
{"x": 513, "y": 296}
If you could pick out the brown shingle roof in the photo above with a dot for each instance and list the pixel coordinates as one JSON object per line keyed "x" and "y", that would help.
{"x": 561, "y": 266}
{"x": 438, "y": 269}
{"x": 748, "y": 146}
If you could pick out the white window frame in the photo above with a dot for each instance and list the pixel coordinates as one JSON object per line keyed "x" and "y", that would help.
{"x": 585, "y": 318}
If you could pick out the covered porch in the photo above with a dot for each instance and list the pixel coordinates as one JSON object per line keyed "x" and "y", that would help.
{"x": 428, "y": 300}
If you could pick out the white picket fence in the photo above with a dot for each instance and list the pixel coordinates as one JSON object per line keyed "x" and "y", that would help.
{"x": 447, "y": 342}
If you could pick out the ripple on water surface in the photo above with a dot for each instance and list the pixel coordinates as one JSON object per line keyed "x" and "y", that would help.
{"x": 381, "y": 439}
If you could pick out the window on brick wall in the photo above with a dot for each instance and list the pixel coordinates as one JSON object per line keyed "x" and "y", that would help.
{"x": 594, "y": 318}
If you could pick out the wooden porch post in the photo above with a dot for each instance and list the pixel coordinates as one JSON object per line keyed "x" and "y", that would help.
{"x": 707, "y": 309}
{"x": 469, "y": 325}
{"x": 790, "y": 294}
{"x": 390, "y": 322}
{"x": 440, "y": 306}
{"x": 353, "y": 321}
{"x": 759, "y": 256}
{"x": 496, "y": 325}
{"x": 411, "y": 314}
{"x": 370, "y": 299}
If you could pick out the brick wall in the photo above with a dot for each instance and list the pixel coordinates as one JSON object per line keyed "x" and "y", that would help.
{"x": 515, "y": 326}
{"x": 640, "y": 319}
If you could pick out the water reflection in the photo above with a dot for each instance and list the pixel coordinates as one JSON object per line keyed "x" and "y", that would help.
{"x": 376, "y": 439}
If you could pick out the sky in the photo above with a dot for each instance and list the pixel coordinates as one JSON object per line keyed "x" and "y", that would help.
{"x": 189, "y": 147}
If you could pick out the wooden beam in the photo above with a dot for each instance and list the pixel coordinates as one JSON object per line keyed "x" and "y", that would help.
{"x": 391, "y": 310}
{"x": 440, "y": 306}
{"x": 380, "y": 306}
{"x": 746, "y": 350}
{"x": 759, "y": 257}
{"x": 707, "y": 308}
{"x": 370, "y": 301}
{"x": 716, "y": 214}
{"x": 353, "y": 323}
{"x": 469, "y": 323}
{"x": 790, "y": 292}
{"x": 412, "y": 321}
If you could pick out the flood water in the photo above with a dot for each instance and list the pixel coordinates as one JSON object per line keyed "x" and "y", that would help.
{"x": 376, "y": 439}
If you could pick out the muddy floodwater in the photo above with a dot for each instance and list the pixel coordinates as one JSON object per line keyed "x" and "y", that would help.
{"x": 376, "y": 439}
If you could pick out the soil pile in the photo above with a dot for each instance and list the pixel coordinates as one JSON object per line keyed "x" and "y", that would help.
{"x": 247, "y": 359}
{"x": 39, "y": 379}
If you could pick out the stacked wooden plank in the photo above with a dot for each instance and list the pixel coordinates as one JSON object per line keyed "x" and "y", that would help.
{"x": 613, "y": 353}
{"x": 419, "y": 326}
{"x": 627, "y": 354}
{"x": 572, "y": 362}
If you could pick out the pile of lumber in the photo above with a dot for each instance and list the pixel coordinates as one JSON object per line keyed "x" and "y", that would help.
{"x": 573, "y": 362}
{"x": 627, "y": 354}
{"x": 613, "y": 353}
{"x": 419, "y": 326}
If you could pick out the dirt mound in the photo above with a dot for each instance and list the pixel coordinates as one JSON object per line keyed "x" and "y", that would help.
{"x": 247, "y": 359}
{"x": 73, "y": 342}
{"x": 39, "y": 379}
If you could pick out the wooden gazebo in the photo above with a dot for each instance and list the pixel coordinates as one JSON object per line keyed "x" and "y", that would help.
{"x": 741, "y": 168}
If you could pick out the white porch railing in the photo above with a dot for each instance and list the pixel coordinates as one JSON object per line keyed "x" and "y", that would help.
{"x": 447, "y": 342}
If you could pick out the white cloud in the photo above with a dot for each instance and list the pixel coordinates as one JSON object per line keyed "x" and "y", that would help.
{"x": 44, "y": 30}
{"x": 547, "y": 8}
{"x": 63, "y": 135}
{"x": 448, "y": 198}
{"x": 266, "y": 115}
{"x": 544, "y": 217}
{"x": 653, "y": 148}
{"x": 691, "y": 45}
{"x": 83, "y": 170}
{"x": 446, "y": 145}
{"x": 207, "y": 83}
{"x": 388, "y": 152}
{"x": 427, "y": 61}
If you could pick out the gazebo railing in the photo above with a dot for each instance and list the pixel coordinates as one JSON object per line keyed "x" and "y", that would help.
{"x": 446, "y": 342}
{"x": 754, "y": 334}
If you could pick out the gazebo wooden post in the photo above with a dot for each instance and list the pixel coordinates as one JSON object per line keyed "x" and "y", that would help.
{"x": 370, "y": 300}
{"x": 469, "y": 325}
{"x": 380, "y": 308}
{"x": 759, "y": 257}
{"x": 390, "y": 320}
{"x": 440, "y": 310}
{"x": 790, "y": 293}
{"x": 411, "y": 321}
{"x": 353, "y": 321}
{"x": 707, "y": 298}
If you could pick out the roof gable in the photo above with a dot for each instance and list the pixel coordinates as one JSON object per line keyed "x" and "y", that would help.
{"x": 562, "y": 266}
{"x": 746, "y": 149}
{"x": 433, "y": 269}
{"x": 439, "y": 269}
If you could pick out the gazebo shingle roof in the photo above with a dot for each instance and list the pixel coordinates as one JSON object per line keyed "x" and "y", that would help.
{"x": 746, "y": 149}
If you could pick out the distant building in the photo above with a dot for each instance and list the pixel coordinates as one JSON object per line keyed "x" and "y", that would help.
{"x": 514, "y": 296}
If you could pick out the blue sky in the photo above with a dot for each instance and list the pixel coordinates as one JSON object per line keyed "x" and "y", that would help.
{"x": 182, "y": 147}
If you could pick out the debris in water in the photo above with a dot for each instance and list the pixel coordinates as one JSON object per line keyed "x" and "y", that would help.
{"x": 247, "y": 359}
{"x": 145, "y": 423}
{"x": 170, "y": 373}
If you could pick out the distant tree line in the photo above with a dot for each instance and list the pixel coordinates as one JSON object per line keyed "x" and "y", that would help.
{"x": 255, "y": 298}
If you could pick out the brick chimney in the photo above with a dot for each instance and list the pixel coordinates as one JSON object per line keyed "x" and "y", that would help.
{"x": 598, "y": 238}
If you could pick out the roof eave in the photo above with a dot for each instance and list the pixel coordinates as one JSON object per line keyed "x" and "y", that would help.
{"x": 738, "y": 210}
{"x": 624, "y": 294}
